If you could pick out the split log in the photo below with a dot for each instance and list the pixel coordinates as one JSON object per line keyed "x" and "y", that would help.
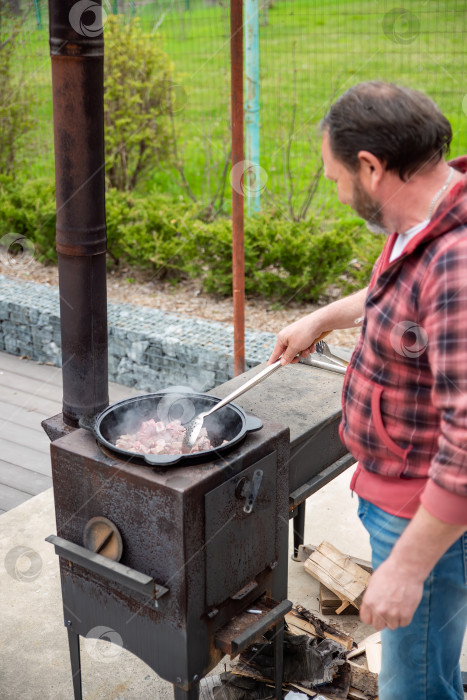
{"x": 307, "y": 622}
{"x": 306, "y": 550}
{"x": 338, "y": 573}
{"x": 364, "y": 680}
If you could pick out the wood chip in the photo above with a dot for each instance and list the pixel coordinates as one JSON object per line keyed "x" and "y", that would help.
{"x": 361, "y": 646}
{"x": 373, "y": 652}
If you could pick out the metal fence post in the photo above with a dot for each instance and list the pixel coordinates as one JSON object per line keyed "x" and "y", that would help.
{"x": 238, "y": 251}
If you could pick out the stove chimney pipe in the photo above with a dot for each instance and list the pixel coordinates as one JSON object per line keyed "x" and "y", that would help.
{"x": 77, "y": 53}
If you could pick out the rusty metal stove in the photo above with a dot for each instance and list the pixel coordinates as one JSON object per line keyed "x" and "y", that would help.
{"x": 194, "y": 557}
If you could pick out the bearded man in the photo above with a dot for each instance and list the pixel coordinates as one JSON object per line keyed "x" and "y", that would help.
{"x": 404, "y": 415}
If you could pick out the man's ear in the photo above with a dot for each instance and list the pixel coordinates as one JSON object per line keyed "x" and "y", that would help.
{"x": 371, "y": 170}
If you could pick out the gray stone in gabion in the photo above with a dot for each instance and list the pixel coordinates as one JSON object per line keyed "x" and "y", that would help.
{"x": 125, "y": 372}
{"x": 20, "y": 315}
{"x": 118, "y": 346}
{"x": 192, "y": 354}
{"x": 137, "y": 350}
{"x": 52, "y": 351}
{"x": 170, "y": 346}
{"x": 4, "y": 310}
{"x": 133, "y": 336}
{"x": 116, "y": 332}
{"x": 146, "y": 378}
{"x": 34, "y": 316}
{"x": 12, "y": 345}
{"x": 44, "y": 319}
{"x": 210, "y": 365}
{"x": 154, "y": 351}
{"x": 42, "y": 334}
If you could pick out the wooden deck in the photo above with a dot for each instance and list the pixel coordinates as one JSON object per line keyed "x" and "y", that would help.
{"x": 29, "y": 393}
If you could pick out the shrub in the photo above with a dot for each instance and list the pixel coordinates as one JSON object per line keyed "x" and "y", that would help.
{"x": 29, "y": 208}
{"x": 283, "y": 260}
{"x": 137, "y": 101}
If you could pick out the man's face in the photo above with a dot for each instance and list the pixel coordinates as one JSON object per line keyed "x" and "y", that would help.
{"x": 350, "y": 190}
{"x": 367, "y": 207}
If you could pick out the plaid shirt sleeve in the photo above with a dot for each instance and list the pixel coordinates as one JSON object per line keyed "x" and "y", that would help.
{"x": 443, "y": 301}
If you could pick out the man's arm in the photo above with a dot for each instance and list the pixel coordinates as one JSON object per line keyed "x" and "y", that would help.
{"x": 299, "y": 337}
{"x": 396, "y": 587}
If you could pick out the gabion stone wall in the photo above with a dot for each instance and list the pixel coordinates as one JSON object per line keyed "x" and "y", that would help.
{"x": 148, "y": 349}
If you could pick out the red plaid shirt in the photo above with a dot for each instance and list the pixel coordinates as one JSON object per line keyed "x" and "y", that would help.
{"x": 405, "y": 392}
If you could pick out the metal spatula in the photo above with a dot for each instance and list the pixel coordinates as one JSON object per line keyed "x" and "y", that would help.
{"x": 194, "y": 426}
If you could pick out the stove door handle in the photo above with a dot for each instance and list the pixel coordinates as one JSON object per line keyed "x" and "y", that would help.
{"x": 109, "y": 569}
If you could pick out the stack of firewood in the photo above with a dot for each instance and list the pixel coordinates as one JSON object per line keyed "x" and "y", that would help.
{"x": 316, "y": 660}
{"x": 343, "y": 579}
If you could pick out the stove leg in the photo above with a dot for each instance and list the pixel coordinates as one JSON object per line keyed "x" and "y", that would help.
{"x": 279, "y": 657}
{"x": 298, "y": 529}
{"x": 192, "y": 694}
{"x": 73, "y": 644}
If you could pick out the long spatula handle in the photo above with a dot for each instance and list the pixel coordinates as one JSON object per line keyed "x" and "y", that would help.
{"x": 248, "y": 385}
{"x": 254, "y": 381}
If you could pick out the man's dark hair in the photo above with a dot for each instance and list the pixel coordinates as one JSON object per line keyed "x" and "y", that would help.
{"x": 400, "y": 126}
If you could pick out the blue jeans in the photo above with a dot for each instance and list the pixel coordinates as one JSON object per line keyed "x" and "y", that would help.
{"x": 421, "y": 661}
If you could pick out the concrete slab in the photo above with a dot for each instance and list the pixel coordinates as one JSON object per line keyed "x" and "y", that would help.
{"x": 34, "y": 660}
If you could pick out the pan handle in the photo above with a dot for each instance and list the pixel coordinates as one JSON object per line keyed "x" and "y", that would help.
{"x": 253, "y": 423}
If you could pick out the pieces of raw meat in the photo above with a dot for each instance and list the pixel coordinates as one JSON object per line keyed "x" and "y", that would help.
{"x": 157, "y": 438}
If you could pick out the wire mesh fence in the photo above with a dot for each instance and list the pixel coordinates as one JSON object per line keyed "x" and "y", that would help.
{"x": 310, "y": 52}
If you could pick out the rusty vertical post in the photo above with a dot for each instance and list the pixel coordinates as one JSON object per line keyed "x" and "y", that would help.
{"x": 238, "y": 253}
{"x": 77, "y": 54}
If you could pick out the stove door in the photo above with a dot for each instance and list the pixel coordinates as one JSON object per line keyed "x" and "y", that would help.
{"x": 240, "y": 529}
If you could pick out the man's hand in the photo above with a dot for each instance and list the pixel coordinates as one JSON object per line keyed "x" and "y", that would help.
{"x": 396, "y": 587}
{"x": 391, "y": 598}
{"x": 296, "y": 340}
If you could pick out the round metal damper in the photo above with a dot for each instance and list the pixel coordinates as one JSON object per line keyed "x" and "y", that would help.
{"x": 102, "y": 536}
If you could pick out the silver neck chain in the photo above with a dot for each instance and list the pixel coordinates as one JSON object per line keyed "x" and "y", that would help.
{"x": 441, "y": 191}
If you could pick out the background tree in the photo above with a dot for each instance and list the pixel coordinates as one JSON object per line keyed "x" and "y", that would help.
{"x": 138, "y": 102}
{"x": 15, "y": 93}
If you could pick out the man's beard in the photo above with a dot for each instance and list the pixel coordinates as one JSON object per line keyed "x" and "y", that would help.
{"x": 368, "y": 208}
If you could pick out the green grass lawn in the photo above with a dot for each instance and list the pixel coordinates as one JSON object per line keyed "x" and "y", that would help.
{"x": 309, "y": 52}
